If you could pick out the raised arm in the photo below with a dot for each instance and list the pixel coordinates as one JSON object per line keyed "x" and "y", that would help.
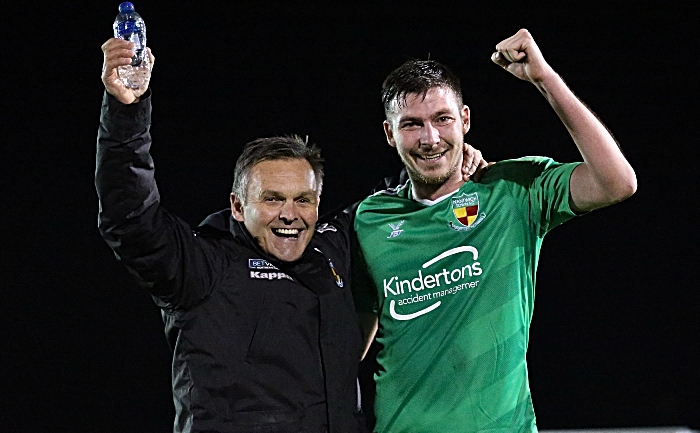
{"x": 605, "y": 177}
{"x": 124, "y": 177}
{"x": 158, "y": 248}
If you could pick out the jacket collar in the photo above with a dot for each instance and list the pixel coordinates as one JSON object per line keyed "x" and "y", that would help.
{"x": 222, "y": 221}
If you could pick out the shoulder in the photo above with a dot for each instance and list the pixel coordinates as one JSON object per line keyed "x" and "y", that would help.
{"x": 397, "y": 191}
{"x": 388, "y": 197}
{"x": 215, "y": 226}
{"x": 335, "y": 227}
{"x": 525, "y": 163}
{"x": 519, "y": 169}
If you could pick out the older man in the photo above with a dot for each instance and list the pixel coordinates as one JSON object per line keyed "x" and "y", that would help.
{"x": 256, "y": 301}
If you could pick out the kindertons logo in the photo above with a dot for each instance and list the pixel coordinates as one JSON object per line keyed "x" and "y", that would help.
{"x": 443, "y": 283}
{"x": 465, "y": 208}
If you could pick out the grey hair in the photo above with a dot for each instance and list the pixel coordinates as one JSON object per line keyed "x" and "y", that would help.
{"x": 275, "y": 148}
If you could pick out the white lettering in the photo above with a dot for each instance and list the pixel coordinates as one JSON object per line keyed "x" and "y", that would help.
{"x": 269, "y": 275}
{"x": 476, "y": 268}
{"x": 444, "y": 274}
{"x": 419, "y": 278}
{"x": 397, "y": 316}
{"x": 387, "y": 287}
{"x": 452, "y": 279}
{"x": 404, "y": 284}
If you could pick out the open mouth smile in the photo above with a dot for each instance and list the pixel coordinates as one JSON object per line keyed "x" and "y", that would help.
{"x": 431, "y": 158}
{"x": 287, "y": 233}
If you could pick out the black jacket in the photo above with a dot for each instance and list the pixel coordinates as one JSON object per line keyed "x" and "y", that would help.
{"x": 259, "y": 345}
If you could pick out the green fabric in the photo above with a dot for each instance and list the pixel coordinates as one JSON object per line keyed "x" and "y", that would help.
{"x": 455, "y": 299}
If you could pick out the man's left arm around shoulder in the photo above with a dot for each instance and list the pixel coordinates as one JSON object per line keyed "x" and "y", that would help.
{"x": 605, "y": 177}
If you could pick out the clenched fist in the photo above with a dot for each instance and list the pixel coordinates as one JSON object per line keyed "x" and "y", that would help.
{"x": 520, "y": 55}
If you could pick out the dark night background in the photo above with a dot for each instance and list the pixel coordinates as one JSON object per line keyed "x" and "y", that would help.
{"x": 616, "y": 332}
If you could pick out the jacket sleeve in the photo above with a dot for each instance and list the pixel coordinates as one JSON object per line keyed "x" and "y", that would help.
{"x": 159, "y": 249}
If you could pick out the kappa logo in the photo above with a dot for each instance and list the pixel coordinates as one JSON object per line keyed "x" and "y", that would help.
{"x": 395, "y": 229}
{"x": 269, "y": 276}
{"x": 258, "y": 265}
{"x": 465, "y": 208}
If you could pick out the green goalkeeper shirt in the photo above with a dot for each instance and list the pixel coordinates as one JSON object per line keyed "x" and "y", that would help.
{"x": 453, "y": 286}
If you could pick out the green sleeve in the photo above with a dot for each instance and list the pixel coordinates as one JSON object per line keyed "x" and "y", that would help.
{"x": 550, "y": 194}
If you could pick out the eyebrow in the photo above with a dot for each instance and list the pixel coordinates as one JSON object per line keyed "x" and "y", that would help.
{"x": 409, "y": 119}
{"x": 416, "y": 119}
{"x": 310, "y": 193}
{"x": 442, "y": 112}
{"x": 270, "y": 192}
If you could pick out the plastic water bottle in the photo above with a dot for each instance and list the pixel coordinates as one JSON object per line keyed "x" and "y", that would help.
{"x": 130, "y": 26}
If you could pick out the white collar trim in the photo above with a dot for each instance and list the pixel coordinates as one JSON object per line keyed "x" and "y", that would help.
{"x": 429, "y": 202}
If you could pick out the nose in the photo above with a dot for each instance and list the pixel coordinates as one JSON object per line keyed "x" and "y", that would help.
{"x": 288, "y": 212}
{"x": 430, "y": 135}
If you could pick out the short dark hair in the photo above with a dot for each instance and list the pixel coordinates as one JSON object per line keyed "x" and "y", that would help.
{"x": 275, "y": 148}
{"x": 417, "y": 76}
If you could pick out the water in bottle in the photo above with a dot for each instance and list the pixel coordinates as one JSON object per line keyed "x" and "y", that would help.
{"x": 130, "y": 26}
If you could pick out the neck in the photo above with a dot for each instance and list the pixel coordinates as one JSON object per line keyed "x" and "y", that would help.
{"x": 434, "y": 191}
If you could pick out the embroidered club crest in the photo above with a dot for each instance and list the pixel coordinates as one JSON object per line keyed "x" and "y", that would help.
{"x": 466, "y": 208}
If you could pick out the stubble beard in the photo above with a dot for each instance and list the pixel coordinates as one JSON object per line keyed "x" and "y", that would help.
{"x": 421, "y": 179}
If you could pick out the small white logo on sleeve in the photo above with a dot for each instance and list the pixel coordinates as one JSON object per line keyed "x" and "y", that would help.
{"x": 395, "y": 229}
{"x": 325, "y": 227}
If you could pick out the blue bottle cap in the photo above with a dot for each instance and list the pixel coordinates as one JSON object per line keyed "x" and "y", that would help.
{"x": 126, "y": 7}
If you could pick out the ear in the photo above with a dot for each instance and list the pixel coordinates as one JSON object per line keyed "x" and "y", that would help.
{"x": 389, "y": 134}
{"x": 465, "y": 120}
{"x": 236, "y": 207}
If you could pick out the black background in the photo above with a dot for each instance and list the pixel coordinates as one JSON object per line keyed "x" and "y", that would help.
{"x": 616, "y": 333}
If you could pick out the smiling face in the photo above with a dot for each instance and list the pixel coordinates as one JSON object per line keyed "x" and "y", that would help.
{"x": 281, "y": 206}
{"x": 428, "y": 133}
